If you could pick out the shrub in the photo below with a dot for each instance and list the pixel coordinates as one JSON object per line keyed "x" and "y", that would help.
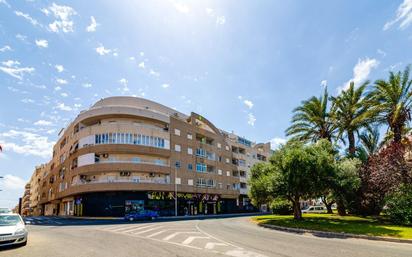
{"x": 281, "y": 207}
{"x": 399, "y": 205}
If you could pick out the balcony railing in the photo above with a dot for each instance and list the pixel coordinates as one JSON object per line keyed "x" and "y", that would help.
{"x": 134, "y": 162}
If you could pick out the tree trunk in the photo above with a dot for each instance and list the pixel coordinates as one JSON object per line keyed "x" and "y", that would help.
{"x": 352, "y": 147}
{"x": 341, "y": 207}
{"x": 397, "y": 134}
{"x": 328, "y": 205}
{"x": 297, "y": 212}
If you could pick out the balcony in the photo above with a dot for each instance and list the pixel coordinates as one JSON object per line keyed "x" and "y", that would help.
{"x": 156, "y": 162}
{"x": 123, "y": 180}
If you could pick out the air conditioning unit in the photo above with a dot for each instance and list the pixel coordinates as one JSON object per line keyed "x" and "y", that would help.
{"x": 105, "y": 155}
{"x": 151, "y": 174}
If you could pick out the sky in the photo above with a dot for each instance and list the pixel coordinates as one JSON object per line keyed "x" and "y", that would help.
{"x": 244, "y": 65}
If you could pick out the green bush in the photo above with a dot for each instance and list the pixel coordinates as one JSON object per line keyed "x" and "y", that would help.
{"x": 399, "y": 205}
{"x": 281, "y": 207}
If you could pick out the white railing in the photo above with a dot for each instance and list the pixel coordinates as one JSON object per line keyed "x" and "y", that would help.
{"x": 134, "y": 162}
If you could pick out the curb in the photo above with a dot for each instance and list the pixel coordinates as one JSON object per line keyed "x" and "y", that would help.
{"x": 335, "y": 234}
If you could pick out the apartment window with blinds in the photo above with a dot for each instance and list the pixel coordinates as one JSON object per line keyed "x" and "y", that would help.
{"x": 201, "y": 167}
{"x": 129, "y": 138}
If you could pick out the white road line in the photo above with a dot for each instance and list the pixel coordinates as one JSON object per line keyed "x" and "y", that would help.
{"x": 147, "y": 230}
{"x": 190, "y": 239}
{"x": 157, "y": 233}
{"x": 178, "y": 233}
{"x": 212, "y": 245}
{"x": 218, "y": 239}
{"x": 133, "y": 229}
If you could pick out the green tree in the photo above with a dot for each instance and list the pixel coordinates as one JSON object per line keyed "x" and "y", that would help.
{"x": 351, "y": 113}
{"x": 370, "y": 144}
{"x": 312, "y": 120}
{"x": 295, "y": 171}
{"x": 346, "y": 183}
{"x": 392, "y": 101}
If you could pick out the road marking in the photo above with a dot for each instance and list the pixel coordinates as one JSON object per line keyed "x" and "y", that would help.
{"x": 212, "y": 245}
{"x": 178, "y": 233}
{"x": 190, "y": 239}
{"x": 240, "y": 253}
{"x": 127, "y": 230}
{"x": 147, "y": 230}
{"x": 157, "y": 233}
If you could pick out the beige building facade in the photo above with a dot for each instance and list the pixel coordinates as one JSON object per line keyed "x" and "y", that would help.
{"x": 127, "y": 153}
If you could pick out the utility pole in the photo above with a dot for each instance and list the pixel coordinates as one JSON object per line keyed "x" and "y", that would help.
{"x": 176, "y": 189}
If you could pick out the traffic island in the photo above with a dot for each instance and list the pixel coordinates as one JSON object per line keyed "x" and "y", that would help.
{"x": 334, "y": 226}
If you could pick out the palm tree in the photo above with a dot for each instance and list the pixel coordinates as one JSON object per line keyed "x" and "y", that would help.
{"x": 392, "y": 100}
{"x": 369, "y": 144}
{"x": 312, "y": 120}
{"x": 351, "y": 113}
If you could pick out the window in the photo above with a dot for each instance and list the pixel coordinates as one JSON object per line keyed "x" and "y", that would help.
{"x": 136, "y": 159}
{"x": 228, "y": 173}
{"x": 227, "y": 160}
{"x": 201, "y": 152}
{"x": 190, "y": 166}
{"x": 219, "y": 145}
{"x": 190, "y": 182}
{"x": 177, "y": 164}
{"x": 201, "y": 167}
{"x": 178, "y": 181}
{"x": 200, "y": 182}
{"x": 177, "y": 148}
{"x": 189, "y": 136}
{"x": 219, "y": 172}
{"x": 189, "y": 151}
{"x": 220, "y": 185}
{"x": 227, "y": 148}
{"x": 177, "y": 132}
{"x": 129, "y": 138}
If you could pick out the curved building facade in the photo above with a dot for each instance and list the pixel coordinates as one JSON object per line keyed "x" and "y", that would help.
{"x": 126, "y": 153}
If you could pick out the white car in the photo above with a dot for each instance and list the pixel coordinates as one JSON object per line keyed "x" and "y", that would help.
{"x": 12, "y": 230}
{"x": 314, "y": 209}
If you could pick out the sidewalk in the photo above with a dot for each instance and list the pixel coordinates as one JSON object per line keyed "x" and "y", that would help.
{"x": 165, "y": 218}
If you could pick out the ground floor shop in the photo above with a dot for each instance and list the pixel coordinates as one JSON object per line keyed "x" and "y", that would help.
{"x": 117, "y": 204}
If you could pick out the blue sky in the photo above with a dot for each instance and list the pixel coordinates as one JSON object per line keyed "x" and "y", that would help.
{"x": 242, "y": 64}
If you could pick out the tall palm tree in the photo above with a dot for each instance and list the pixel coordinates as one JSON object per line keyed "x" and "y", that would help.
{"x": 312, "y": 120}
{"x": 392, "y": 100}
{"x": 370, "y": 140}
{"x": 351, "y": 113}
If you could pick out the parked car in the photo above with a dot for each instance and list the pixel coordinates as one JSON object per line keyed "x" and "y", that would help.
{"x": 12, "y": 230}
{"x": 142, "y": 215}
{"x": 314, "y": 209}
{"x": 5, "y": 210}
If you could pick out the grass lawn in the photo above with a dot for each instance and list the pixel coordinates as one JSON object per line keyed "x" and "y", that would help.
{"x": 334, "y": 223}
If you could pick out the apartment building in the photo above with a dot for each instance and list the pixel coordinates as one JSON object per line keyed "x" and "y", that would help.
{"x": 126, "y": 154}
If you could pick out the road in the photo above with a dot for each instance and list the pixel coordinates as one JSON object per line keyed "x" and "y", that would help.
{"x": 237, "y": 237}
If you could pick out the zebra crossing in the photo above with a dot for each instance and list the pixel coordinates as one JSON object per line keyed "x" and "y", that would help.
{"x": 185, "y": 234}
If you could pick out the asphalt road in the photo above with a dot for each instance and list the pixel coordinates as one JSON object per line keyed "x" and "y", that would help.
{"x": 237, "y": 237}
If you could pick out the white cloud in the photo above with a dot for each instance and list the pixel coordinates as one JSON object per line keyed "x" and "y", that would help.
{"x": 12, "y": 68}
{"x": 324, "y": 83}
{"x": 61, "y": 81}
{"x": 63, "y": 21}
{"x": 59, "y": 68}
{"x": 209, "y": 11}
{"x": 26, "y": 143}
{"x": 361, "y": 72}
{"x": 220, "y": 20}
{"x": 131, "y": 58}
{"x": 381, "y": 52}
{"x": 21, "y": 37}
{"x": 251, "y": 119}
{"x": 403, "y": 16}
{"x": 63, "y": 107}
{"x": 87, "y": 85}
{"x": 248, "y": 103}
{"x": 154, "y": 73}
{"x": 64, "y": 94}
{"x": 102, "y": 51}
{"x": 42, "y": 43}
{"x": 141, "y": 65}
{"x": 27, "y": 101}
{"x": 43, "y": 123}
{"x": 93, "y": 25}
{"x": 180, "y": 7}
{"x": 5, "y": 3}
{"x": 141, "y": 54}
{"x": 276, "y": 142}
{"x": 11, "y": 182}
{"x": 5, "y": 48}
{"x": 165, "y": 85}
{"x": 57, "y": 88}
{"x": 124, "y": 83}
{"x": 34, "y": 22}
